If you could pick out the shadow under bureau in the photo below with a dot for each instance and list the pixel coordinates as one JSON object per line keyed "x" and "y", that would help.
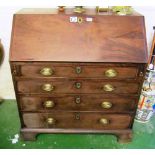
{"x": 72, "y": 77}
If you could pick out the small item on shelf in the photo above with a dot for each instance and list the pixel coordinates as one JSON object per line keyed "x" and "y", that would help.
{"x": 61, "y": 8}
{"x": 79, "y": 9}
{"x": 102, "y": 9}
{"x": 122, "y": 10}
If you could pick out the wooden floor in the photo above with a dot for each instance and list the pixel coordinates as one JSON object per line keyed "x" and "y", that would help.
{"x": 144, "y": 135}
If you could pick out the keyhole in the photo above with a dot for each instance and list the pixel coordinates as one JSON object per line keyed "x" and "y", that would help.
{"x": 77, "y": 116}
{"x": 78, "y": 70}
{"x": 78, "y": 85}
{"x": 77, "y": 100}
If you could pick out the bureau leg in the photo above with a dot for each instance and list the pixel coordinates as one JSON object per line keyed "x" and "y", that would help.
{"x": 28, "y": 136}
{"x": 124, "y": 137}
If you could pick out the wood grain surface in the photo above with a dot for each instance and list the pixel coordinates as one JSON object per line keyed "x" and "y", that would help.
{"x": 52, "y": 37}
{"x": 68, "y": 120}
{"x": 69, "y": 86}
{"x": 91, "y": 103}
{"x": 88, "y": 70}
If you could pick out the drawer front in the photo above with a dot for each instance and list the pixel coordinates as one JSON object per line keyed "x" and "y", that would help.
{"x": 78, "y": 103}
{"x": 77, "y": 120}
{"x": 77, "y": 86}
{"x": 105, "y": 71}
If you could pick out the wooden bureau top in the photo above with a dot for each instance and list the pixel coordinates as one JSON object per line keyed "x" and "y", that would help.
{"x": 50, "y": 36}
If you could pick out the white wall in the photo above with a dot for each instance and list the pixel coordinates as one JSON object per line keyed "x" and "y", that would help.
{"x": 6, "y": 86}
{"x": 6, "y": 14}
{"x": 149, "y": 13}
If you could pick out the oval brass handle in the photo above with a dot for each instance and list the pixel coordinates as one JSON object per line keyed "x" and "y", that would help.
{"x": 46, "y": 71}
{"x": 49, "y": 104}
{"x": 78, "y": 70}
{"x": 108, "y": 87}
{"x": 104, "y": 121}
{"x": 78, "y": 85}
{"x": 48, "y": 87}
{"x": 51, "y": 121}
{"x": 110, "y": 73}
{"x": 106, "y": 105}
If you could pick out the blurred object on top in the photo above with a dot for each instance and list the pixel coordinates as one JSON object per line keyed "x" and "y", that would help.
{"x": 122, "y": 10}
{"x": 61, "y": 8}
{"x": 102, "y": 9}
{"x": 79, "y": 9}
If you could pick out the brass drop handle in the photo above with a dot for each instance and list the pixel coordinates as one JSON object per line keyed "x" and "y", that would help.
{"x": 110, "y": 73}
{"x": 49, "y": 104}
{"x": 104, "y": 121}
{"x": 51, "y": 121}
{"x": 46, "y": 71}
{"x": 106, "y": 105}
{"x": 47, "y": 87}
{"x": 78, "y": 85}
{"x": 108, "y": 88}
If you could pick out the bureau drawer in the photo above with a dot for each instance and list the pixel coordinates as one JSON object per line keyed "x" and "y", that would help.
{"x": 78, "y": 103}
{"x": 77, "y": 86}
{"x": 91, "y": 70}
{"x": 76, "y": 120}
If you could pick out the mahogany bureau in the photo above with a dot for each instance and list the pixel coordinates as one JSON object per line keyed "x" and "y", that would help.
{"x": 77, "y": 73}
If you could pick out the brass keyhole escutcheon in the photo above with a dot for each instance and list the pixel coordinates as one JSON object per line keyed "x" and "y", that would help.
{"x": 51, "y": 121}
{"x": 77, "y": 100}
{"x": 108, "y": 88}
{"x": 110, "y": 73}
{"x": 80, "y": 20}
{"x": 78, "y": 85}
{"x": 78, "y": 70}
{"x": 106, "y": 105}
{"x": 47, "y": 87}
{"x": 49, "y": 104}
{"x": 14, "y": 72}
{"x": 46, "y": 71}
{"x": 77, "y": 116}
{"x": 104, "y": 121}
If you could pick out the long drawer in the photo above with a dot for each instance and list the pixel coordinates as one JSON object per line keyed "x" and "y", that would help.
{"x": 77, "y": 86}
{"x": 81, "y": 120}
{"x": 78, "y": 103}
{"x": 74, "y": 70}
